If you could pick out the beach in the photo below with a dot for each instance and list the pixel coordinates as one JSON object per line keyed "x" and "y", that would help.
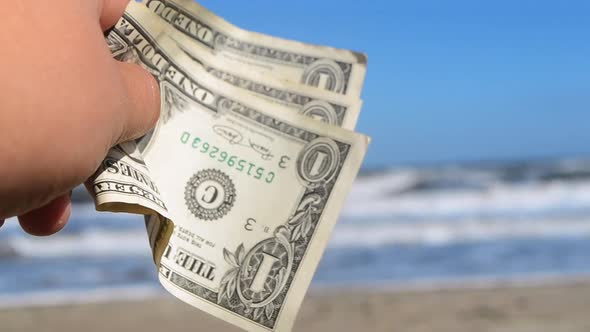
{"x": 552, "y": 307}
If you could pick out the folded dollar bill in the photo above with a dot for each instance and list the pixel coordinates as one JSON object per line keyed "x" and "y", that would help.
{"x": 337, "y": 70}
{"x": 240, "y": 188}
{"x": 330, "y": 107}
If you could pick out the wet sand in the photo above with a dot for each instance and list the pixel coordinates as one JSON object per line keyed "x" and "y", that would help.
{"x": 548, "y": 308}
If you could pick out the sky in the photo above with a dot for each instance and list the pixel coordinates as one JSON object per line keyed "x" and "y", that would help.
{"x": 455, "y": 80}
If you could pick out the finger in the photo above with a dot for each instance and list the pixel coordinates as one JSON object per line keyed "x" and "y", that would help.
{"x": 144, "y": 101}
{"x": 111, "y": 12}
{"x": 49, "y": 219}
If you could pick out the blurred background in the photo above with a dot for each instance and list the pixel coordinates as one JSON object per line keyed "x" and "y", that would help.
{"x": 472, "y": 212}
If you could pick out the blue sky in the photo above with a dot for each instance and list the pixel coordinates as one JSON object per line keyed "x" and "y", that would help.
{"x": 453, "y": 80}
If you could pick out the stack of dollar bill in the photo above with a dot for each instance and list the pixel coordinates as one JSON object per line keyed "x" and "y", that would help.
{"x": 244, "y": 176}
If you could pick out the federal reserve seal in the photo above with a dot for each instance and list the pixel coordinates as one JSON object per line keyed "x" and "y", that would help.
{"x": 210, "y": 194}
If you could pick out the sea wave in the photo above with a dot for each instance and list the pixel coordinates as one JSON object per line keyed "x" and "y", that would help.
{"x": 379, "y": 233}
{"x": 88, "y": 234}
{"x": 416, "y": 194}
{"x": 401, "y": 225}
{"x": 100, "y": 243}
{"x": 91, "y": 243}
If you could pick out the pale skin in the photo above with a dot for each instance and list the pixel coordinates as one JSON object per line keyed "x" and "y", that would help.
{"x": 64, "y": 102}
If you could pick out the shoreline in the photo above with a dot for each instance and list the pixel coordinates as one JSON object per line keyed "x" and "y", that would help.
{"x": 155, "y": 291}
{"x": 457, "y": 284}
{"x": 137, "y": 293}
{"x": 550, "y": 307}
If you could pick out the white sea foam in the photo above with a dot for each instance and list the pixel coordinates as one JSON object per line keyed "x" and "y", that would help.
{"x": 381, "y": 233}
{"x": 371, "y": 197}
{"x": 93, "y": 243}
{"x": 455, "y": 205}
{"x": 366, "y": 234}
{"x": 69, "y": 297}
{"x": 90, "y": 234}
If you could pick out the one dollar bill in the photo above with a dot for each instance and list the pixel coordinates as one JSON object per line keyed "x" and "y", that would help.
{"x": 242, "y": 193}
{"x": 337, "y": 70}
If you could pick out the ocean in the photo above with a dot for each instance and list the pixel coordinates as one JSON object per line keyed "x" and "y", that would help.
{"x": 401, "y": 227}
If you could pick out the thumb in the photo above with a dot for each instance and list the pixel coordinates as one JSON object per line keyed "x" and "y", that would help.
{"x": 143, "y": 94}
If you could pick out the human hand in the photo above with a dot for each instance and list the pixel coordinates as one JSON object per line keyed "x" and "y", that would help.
{"x": 64, "y": 102}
